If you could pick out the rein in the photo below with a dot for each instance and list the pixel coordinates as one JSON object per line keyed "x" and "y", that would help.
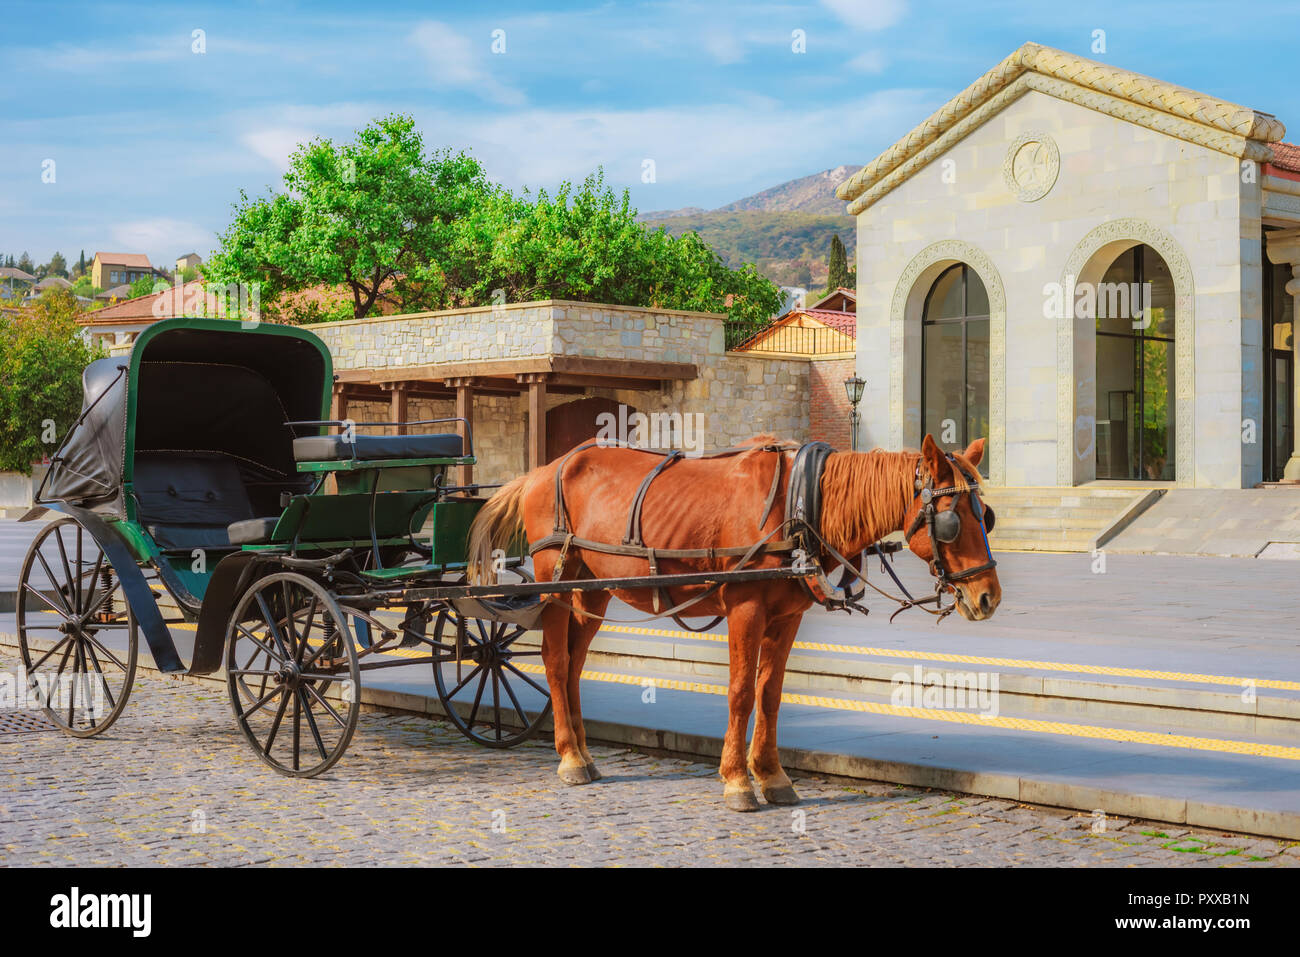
{"x": 941, "y": 527}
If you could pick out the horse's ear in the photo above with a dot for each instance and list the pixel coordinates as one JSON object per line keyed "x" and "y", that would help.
{"x": 975, "y": 451}
{"x": 935, "y": 460}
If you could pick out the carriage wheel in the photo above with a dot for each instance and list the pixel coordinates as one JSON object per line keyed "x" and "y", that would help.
{"x": 76, "y": 633}
{"x": 487, "y": 678}
{"x": 292, "y": 674}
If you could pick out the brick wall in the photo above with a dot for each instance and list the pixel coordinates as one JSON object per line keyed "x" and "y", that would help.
{"x": 828, "y": 406}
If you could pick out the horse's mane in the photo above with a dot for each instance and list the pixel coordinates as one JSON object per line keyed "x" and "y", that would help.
{"x": 865, "y": 495}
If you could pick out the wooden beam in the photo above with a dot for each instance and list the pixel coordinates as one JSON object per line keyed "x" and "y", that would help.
{"x": 595, "y": 366}
{"x": 536, "y": 447}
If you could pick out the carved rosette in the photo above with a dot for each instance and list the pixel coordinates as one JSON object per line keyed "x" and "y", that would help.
{"x": 1032, "y": 165}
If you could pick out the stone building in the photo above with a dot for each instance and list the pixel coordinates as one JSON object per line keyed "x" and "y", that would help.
{"x": 1095, "y": 269}
{"x": 535, "y": 378}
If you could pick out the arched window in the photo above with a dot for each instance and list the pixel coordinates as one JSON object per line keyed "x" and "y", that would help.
{"x": 1135, "y": 368}
{"x": 955, "y": 360}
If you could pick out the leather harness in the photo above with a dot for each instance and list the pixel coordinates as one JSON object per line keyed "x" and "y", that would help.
{"x": 802, "y": 520}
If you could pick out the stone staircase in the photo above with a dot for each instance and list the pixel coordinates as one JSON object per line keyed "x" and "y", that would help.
{"x": 1063, "y": 519}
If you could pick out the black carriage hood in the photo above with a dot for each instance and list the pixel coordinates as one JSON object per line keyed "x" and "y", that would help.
{"x": 87, "y": 470}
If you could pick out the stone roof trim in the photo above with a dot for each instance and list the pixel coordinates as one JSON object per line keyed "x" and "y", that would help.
{"x": 1049, "y": 63}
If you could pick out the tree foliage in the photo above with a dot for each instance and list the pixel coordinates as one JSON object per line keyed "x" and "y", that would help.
{"x": 838, "y": 265}
{"x": 42, "y": 355}
{"x": 412, "y": 230}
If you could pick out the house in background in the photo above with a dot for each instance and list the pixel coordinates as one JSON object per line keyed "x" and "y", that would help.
{"x": 185, "y": 262}
{"x": 121, "y": 322}
{"x": 15, "y": 282}
{"x": 121, "y": 269}
{"x": 824, "y": 333}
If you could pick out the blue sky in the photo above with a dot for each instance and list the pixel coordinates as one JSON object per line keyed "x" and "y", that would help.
{"x": 152, "y": 142}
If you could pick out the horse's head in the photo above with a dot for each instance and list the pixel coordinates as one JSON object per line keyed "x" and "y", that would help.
{"x": 947, "y": 525}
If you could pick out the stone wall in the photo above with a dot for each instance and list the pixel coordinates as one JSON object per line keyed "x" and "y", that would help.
{"x": 736, "y": 395}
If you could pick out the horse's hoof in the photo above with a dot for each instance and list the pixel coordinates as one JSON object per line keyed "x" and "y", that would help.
{"x": 593, "y": 772}
{"x": 575, "y": 774}
{"x": 740, "y": 799}
{"x": 780, "y": 794}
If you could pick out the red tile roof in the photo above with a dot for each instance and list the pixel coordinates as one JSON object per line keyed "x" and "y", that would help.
{"x": 845, "y": 322}
{"x": 142, "y": 308}
{"x": 1286, "y": 156}
{"x": 139, "y": 260}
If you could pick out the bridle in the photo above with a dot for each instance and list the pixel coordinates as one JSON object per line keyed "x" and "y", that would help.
{"x": 943, "y": 526}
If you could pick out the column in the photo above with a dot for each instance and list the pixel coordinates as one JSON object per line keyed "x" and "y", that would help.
{"x": 1283, "y": 248}
{"x": 464, "y": 410}
{"x": 397, "y": 404}
{"x": 536, "y": 447}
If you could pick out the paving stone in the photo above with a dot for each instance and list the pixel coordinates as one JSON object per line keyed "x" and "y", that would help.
{"x": 413, "y": 791}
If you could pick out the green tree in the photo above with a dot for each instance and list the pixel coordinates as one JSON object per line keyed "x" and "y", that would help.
{"x": 57, "y": 266}
{"x": 377, "y": 216}
{"x": 145, "y": 285}
{"x": 42, "y": 355}
{"x": 838, "y": 265}
{"x": 25, "y": 263}
{"x": 389, "y": 224}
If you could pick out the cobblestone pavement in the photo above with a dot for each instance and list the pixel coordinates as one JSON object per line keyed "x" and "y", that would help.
{"x": 173, "y": 783}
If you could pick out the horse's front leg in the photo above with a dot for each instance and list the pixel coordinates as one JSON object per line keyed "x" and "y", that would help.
{"x": 746, "y": 622}
{"x": 764, "y": 760}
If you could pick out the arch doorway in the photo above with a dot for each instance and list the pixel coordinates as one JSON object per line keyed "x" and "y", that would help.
{"x": 955, "y": 360}
{"x": 1136, "y": 366}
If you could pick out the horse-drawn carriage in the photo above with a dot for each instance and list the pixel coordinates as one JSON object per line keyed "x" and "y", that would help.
{"x": 204, "y": 491}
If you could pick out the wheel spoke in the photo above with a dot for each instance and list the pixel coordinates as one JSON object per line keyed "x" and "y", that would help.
{"x": 297, "y": 732}
{"x": 496, "y": 704}
{"x": 49, "y": 573}
{"x": 510, "y": 692}
{"x": 311, "y": 723}
{"x": 468, "y": 678}
{"x": 279, "y": 716}
{"x": 66, "y": 613}
{"x": 63, "y": 556}
{"x": 478, "y": 696}
{"x": 94, "y": 584}
{"x": 261, "y": 703}
{"x": 325, "y": 705}
{"x": 46, "y": 657}
{"x": 258, "y": 641}
{"x": 94, "y": 659}
{"x": 529, "y": 680}
{"x": 275, "y": 632}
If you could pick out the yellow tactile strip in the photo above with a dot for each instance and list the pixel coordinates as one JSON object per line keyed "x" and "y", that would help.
{"x": 1192, "y": 742}
{"x": 962, "y": 717}
{"x": 982, "y": 660}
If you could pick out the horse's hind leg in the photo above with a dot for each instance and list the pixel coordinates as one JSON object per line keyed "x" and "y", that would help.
{"x": 555, "y": 656}
{"x": 746, "y": 622}
{"x": 582, "y": 631}
{"x": 764, "y": 759}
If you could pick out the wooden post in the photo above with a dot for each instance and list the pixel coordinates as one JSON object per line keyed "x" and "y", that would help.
{"x": 536, "y": 447}
{"x": 397, "y": 405}
{"x": 465, "y": 410}
{"x": 339, "y": 405}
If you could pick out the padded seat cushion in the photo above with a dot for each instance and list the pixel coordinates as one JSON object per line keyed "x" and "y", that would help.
{"x": 186, "y": 500}
{"x": 370, "y": 448}
{"x": 252, "y": 531}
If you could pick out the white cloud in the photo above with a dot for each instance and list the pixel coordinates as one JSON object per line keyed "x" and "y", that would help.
{"x": 274, "y": 144}
{"x": 867, "y": 14}
{"x": 161, "y": 238}
{"x": 452, "y": 62}
{"x": 868, "y": 61}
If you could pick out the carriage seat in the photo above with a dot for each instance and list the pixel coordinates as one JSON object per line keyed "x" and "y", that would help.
{"x": 332, "y": 448}
{"x": 187, "y": 500}
{"x": 252, "y": 531}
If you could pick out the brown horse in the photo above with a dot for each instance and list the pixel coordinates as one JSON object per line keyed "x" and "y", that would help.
{"x": 718, "y": 502}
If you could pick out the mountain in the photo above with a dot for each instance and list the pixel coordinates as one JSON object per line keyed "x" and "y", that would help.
{"x": 809, "y": 194}
{"x": 785, "y": 231}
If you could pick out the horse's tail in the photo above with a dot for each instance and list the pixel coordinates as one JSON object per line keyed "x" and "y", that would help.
{"x": 497, "y": 525}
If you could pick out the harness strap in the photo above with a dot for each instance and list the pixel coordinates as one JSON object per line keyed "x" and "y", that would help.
{"x": 633, "y": 534}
